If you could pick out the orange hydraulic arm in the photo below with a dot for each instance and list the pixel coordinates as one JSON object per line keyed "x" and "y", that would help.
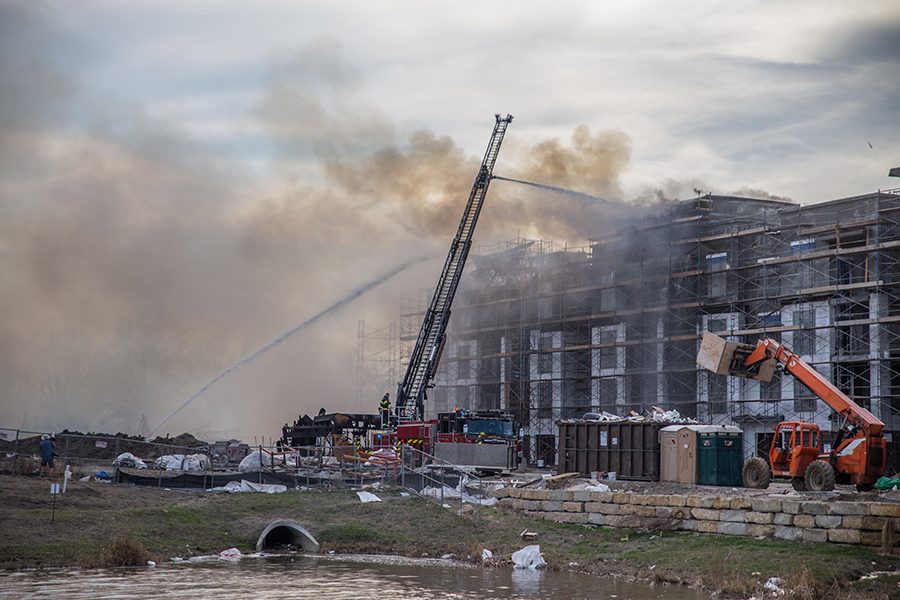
{"x": 856, "y": 418}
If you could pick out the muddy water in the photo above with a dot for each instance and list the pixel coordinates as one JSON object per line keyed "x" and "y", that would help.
{"x": 320, "y": 578}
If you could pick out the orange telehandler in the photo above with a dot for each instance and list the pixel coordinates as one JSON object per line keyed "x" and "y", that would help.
{"x": 858, "y": 453}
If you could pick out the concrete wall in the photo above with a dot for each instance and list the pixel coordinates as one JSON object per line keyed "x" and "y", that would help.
{"x": 794, "y": 518}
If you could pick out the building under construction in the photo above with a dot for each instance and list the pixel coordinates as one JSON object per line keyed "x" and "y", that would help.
{"x": 615, "y": 326}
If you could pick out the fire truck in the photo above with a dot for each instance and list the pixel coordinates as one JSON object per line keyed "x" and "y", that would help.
{"x": 480, "y": 440}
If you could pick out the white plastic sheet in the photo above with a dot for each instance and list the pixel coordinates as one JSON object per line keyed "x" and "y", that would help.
{"x": 450, "y": 492}
{"x": 230, "y": 554}
{"x": 528, "y": 557}
{"x": 181, "y": 462}
{"x": 127, "y": 459}
{"x": 589, "y": 487}
{"x": 251, "y": 462}
{"x": 249, "y": 486}
{"x": 486, "y": 555}
{"x": 368, "y": 497}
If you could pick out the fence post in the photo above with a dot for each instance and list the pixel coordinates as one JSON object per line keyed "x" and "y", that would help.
{"x": 259, "y": 468}
{"x": 402, "y": 466}
{"x": 16, "y": 454}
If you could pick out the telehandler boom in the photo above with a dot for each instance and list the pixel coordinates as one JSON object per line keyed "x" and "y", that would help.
{"x": 858, "y": 453}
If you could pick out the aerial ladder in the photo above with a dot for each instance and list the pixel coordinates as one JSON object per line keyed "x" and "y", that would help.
{"x": 858, "y": 453}
{"x": 412, "y": 391}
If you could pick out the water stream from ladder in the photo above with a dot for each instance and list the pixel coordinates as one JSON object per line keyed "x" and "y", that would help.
{"x": 293, "y": 330}
{"x": 553, "y": 188}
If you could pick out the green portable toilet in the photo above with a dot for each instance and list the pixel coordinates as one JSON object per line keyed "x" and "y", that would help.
{"x": 720, "y": 455}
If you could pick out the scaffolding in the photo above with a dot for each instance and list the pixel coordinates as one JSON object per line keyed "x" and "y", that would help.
{"x": 551, "y": 334}
{"x": 378, "y": 363}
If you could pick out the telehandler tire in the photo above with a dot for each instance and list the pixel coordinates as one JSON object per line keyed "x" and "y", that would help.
{"x": 756, "y": 473}
{"x": 819, "y": 476}
{"x": 799, "y": 484}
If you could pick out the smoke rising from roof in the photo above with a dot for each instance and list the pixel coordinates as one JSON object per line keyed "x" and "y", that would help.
{"x": 137, "y": 264}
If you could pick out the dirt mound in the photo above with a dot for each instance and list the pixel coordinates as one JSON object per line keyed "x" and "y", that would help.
{"x": 185, "y": 440}
{"x": 104, "y": 446}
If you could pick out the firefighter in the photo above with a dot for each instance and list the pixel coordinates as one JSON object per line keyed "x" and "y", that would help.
{"x": 385, "y": 408}
{"x": 481, "y": 437}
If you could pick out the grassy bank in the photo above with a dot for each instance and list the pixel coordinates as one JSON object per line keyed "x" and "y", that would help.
{"x": 91, "y": 518}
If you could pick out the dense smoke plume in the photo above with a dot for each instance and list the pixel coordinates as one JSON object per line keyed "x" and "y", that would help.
{"x": 136, "y": 264}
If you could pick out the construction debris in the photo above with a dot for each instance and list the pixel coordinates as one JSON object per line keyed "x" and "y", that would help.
{"x": 248, "y": 486}
{"x": 366, "y": 497}
{"x": 528, "y": 536}
{"x": 556, "y": 482}
{"x": 654, "y": 414}
{"x": 528, "y": 557}
{"x": 588, "y": 487}
{"x": 127, "y": 459}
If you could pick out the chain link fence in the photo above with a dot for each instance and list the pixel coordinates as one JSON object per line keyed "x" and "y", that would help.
{"x": 200, "y": 468}
{"x": 20, "y": 450}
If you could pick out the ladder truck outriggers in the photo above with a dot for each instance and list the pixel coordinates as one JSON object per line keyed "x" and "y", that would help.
{"x": 858, "y": 453}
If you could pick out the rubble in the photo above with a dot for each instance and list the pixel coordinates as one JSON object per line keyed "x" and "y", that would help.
{"x": 655, "y": 414}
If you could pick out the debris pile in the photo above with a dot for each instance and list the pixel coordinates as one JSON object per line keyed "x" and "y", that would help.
{"x": 654, "y": 415}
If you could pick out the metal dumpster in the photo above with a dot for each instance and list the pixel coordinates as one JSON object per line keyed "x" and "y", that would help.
{"x": 720, "y": 455}
{"x": 630, "y": 449}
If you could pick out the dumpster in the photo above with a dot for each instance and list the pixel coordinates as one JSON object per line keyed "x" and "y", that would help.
{"x": 630, "y": 449}
{"x": 720, "y": 455}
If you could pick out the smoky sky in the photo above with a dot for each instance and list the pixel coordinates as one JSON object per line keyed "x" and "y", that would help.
{"x": 136, "y": 264}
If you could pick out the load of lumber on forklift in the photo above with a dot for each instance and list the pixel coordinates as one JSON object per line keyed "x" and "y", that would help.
{"x": 858, "y": 454}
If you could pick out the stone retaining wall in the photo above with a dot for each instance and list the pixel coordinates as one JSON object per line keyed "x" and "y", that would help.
{"x": 794, "y": 518}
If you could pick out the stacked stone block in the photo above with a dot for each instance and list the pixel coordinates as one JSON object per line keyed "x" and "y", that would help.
{"x": 794, "y": 518}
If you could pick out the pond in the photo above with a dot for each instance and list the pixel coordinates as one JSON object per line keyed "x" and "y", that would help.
{"x": 324, "y": 577}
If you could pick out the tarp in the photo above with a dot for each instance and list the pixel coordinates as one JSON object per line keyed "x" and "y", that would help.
{"x": 251, "y": 462}
{"x": 127, "y": 459}
{"x": 249, "y": 486}
{"x": 887, "y": 483}
{"x": 181, "y": 462}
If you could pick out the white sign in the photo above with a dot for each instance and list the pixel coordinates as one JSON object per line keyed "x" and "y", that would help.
{"x": 603, "y": 438}
{"x": 100, "y": 444}
{"x": 54, "y": 489}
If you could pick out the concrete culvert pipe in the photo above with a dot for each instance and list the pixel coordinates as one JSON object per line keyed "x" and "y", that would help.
{"x": 279, "y": 535}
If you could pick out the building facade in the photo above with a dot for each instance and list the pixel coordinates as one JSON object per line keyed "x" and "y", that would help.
{"x": 615, "y": 326}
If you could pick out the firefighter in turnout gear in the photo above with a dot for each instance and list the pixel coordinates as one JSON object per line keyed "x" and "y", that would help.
{"x": 385, "y": 408}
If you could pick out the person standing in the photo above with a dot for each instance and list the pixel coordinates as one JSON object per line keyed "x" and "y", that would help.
{"x": 47, "y": 449}
{"x": 385, "y": 408}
